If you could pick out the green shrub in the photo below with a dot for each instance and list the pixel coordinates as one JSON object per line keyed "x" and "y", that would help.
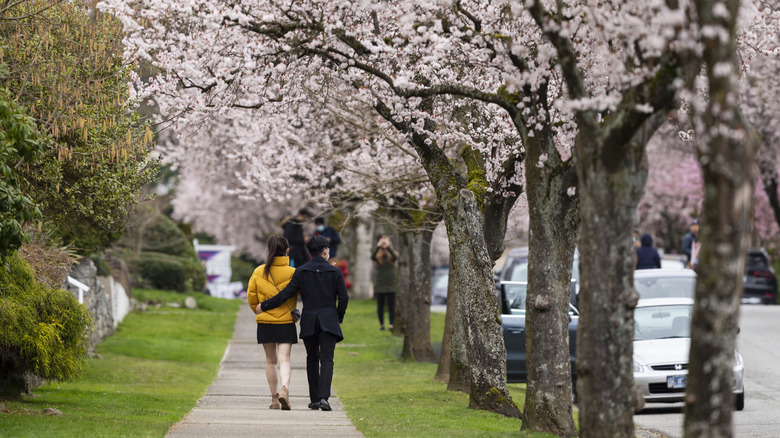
{"x": 162, "y": 271}
{"x": 242, "y": 269}
{"x": 196, "y": 273}
{"x": 165, "y": 236}
{"x": 43, "y": 330}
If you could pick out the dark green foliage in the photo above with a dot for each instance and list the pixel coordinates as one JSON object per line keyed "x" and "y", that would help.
{"x": 159, "y": 254}
{"x": 162, "y": 271}
{"x": 102, "y": 266}
{"x": 43, "y": 331}
{"x": 20, "y": 144}
{"x": 242, "y": 269}
{"x": 165, "y": 236}
{"x": 91, "y": 171}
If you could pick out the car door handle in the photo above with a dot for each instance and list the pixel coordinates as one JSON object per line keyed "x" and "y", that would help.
{"x": 515, "y": 330}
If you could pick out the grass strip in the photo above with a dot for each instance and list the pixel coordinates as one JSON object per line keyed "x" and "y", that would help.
{"x": 387, "y": 397}
{"x": 152, "y": 372}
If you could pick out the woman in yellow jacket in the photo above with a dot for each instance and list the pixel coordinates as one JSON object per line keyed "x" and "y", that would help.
{"x": 275, "y": 328}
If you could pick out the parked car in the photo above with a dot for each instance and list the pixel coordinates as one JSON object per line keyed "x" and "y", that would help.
{"x": 440, "y": 278}
{"x": 760, "y": 281}
{"x": 516, "y": 270}
{"x": 650, "y": 283}
{"x": 662, "y": 340}
{"x": 513, "y": 294}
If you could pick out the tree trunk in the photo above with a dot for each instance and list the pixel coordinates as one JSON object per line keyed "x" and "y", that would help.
{"x": 417, "y": 320}
{"x": 404, "y": 281}
{"x": 477, "y": 306}
{"x": 612, "y": 174}
{"x": 361, "y": 266}
{"x": 727, "y": 151}
{"x": 554, "y": 222}
{"x": 443, "y": 370}
{"x": 460, "y": 369}
{"x": 476, "y": 311}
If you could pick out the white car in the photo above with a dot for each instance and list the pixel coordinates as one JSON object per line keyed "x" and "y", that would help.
{"x": 662, "y": 341}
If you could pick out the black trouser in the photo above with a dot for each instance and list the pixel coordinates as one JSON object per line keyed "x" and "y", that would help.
{"x": 319, "y": 362}
{"x": 380, "y": 306}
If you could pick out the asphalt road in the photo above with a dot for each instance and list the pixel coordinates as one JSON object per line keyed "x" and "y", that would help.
{"x": 759, "y": 343}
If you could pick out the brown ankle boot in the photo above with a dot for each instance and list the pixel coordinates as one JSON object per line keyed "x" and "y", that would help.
{"x": 275, "y": 402}
{"x": 284, "y": 399}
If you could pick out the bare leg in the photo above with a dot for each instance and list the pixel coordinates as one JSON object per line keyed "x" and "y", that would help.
{"x": 284, "y": 363}
{"x": 270, "y": 367}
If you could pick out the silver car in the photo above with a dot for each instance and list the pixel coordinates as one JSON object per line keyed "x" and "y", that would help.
{"x": 662, "y": 341}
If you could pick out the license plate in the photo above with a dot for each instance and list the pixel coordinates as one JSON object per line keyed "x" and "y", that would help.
{"x": 676, "y": 381}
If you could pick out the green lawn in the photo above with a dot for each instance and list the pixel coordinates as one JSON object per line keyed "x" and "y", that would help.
{"x": 159, "y": 363}
{"x": 152, "y": 372}
{"x": 385, "y": 396}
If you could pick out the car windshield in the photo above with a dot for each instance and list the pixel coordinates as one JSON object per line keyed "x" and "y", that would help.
{"x": 440, "y": 280}
{"x": 515, "y": 295}
{"x": 669, "y": 287}
{"x": 662, "y": 322}
{"x": 756, "y": 261}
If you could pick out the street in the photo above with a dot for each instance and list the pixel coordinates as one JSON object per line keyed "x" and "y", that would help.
{"x": 759, "y": 344}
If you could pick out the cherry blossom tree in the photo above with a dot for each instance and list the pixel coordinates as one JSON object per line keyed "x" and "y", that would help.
{"x": 761, "y": 108}
{"x": 674, "y": 193}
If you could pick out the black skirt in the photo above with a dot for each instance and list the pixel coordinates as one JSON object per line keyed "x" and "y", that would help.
{"x": 277, "y": 333}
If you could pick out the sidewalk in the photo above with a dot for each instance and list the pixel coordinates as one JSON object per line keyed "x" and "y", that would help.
{"x": 236, "y": 404}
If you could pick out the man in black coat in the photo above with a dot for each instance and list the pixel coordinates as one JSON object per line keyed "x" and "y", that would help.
{"x": 325, "y": 298}
{"x": 293, "y": 232}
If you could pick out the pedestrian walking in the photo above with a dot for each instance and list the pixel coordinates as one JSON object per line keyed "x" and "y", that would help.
{"x": 647, "y": 257}
{"x": 384, "y": 257}
{"x": 691, "y": 237}
{"x": 293, "y": 232}
{"x": 276, "y": 328}
{"x": 330, "y": 233}
{"x": 325, "y": 299}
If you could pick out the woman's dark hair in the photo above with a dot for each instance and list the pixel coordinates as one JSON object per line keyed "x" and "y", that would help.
{"x": 277, "y": 247}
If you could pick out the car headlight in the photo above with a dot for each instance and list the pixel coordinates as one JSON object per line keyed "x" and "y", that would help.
{"x": 638, "y": 368}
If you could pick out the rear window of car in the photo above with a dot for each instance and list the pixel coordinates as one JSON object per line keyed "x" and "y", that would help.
{"x": 756, "y": 261}
{"x": 518, "y": 271}
{"x": 666, "y": 287}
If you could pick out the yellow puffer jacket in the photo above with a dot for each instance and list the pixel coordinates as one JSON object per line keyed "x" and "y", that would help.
{"x": 261, "y": 289}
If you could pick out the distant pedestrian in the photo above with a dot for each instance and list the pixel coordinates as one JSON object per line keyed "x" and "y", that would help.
{"x": 384, "y": 257}
{"x": 276, "y": 328}
{"x": 646, "y": 256}
{"x": 688, "y": 240}
{"x": 330, "y": 233}
{"x": 293, "y": 232}
{"x": 325, "y": 301}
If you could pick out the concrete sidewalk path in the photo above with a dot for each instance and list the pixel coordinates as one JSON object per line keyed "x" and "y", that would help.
{"x": 236, "y": 404}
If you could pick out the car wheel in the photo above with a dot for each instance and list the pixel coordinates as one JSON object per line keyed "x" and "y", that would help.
{"x": 740, "y": 404}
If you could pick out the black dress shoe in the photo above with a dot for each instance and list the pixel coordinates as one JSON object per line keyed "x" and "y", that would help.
{"x": 314, "y": 405}
{"x": 324, "y": 405}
